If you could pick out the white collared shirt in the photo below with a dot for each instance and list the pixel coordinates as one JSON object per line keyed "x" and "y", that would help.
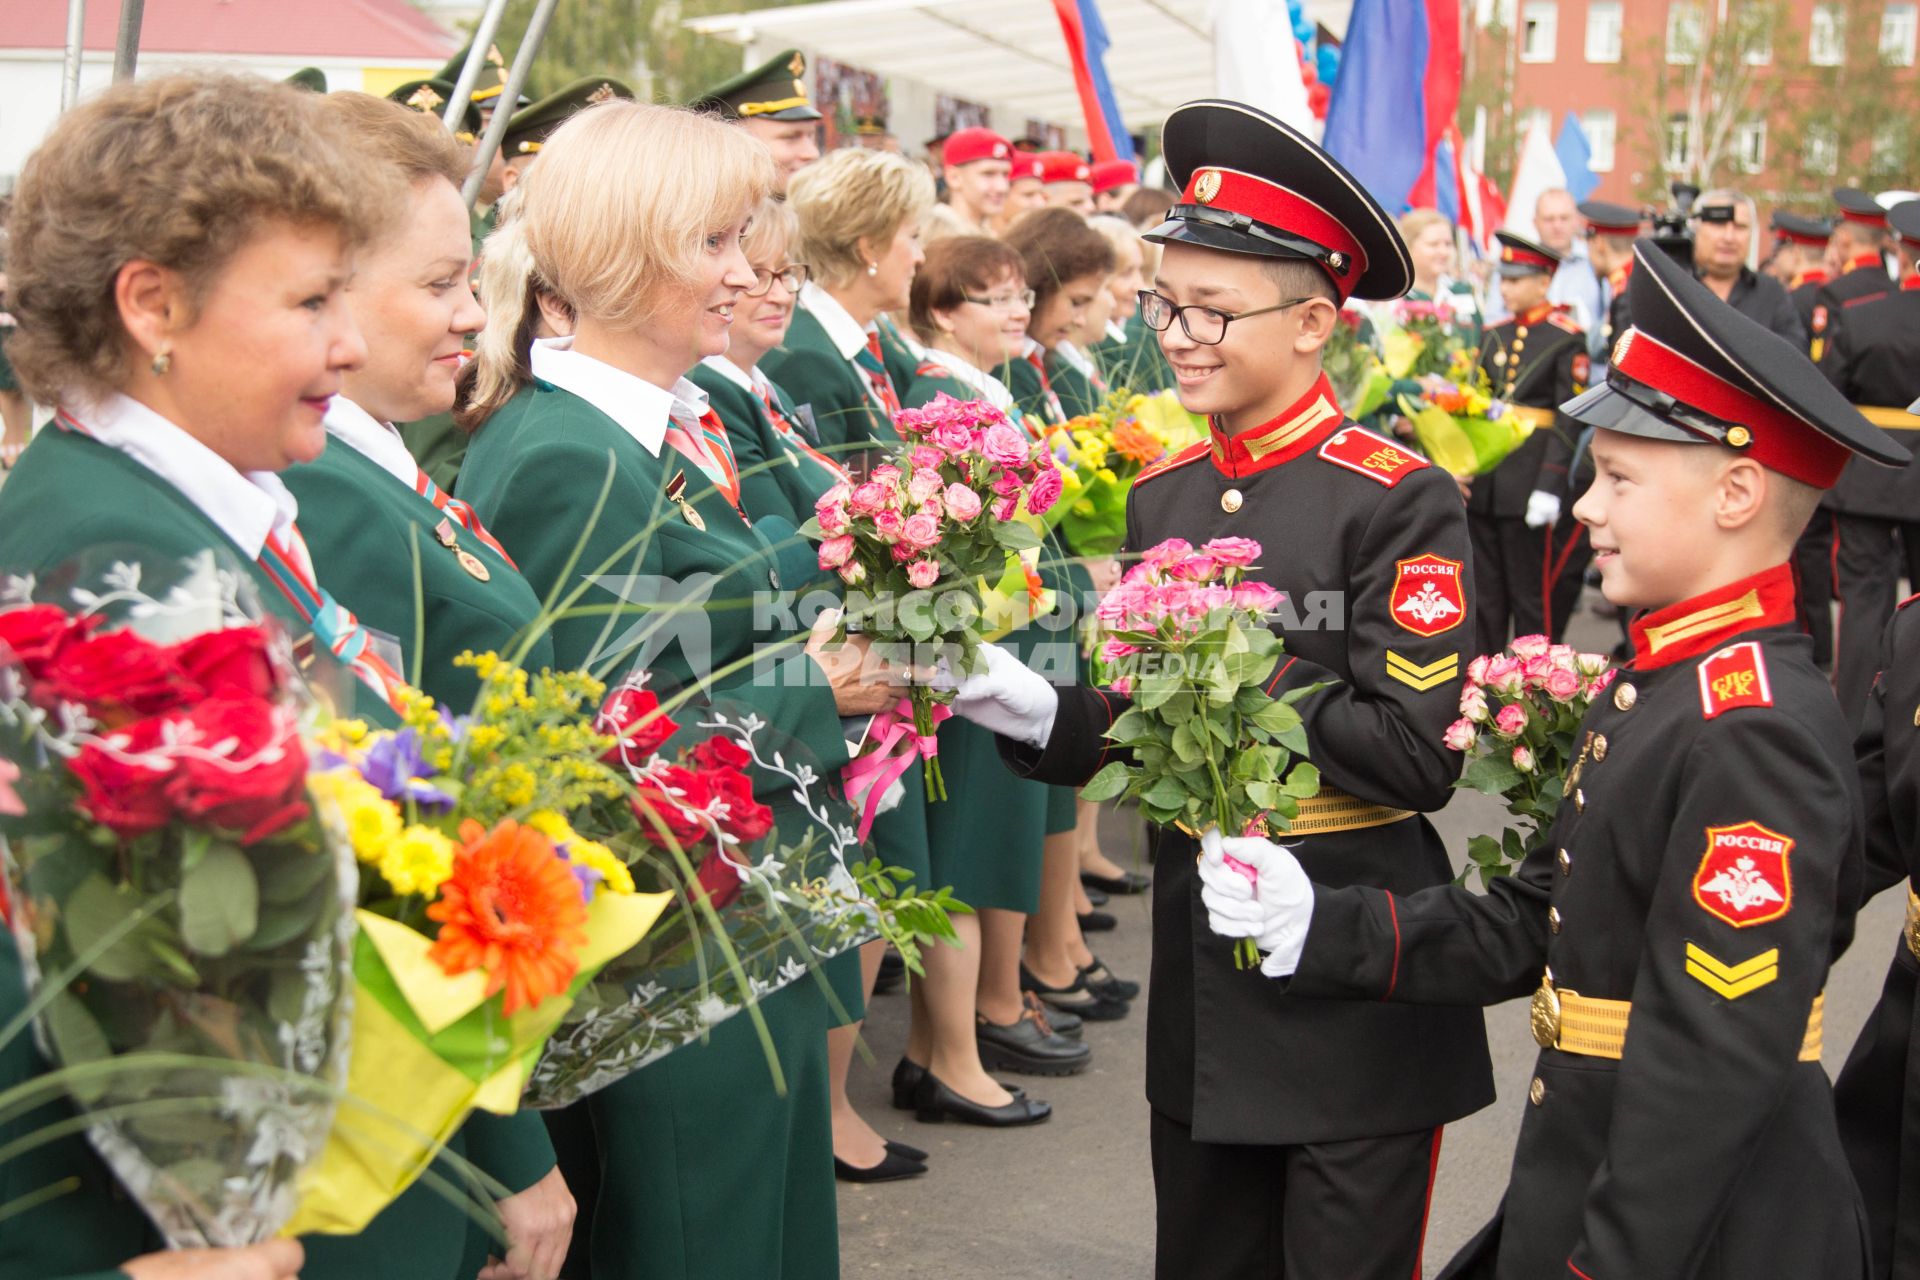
{"x": 847, "y": 334}
{"x": 1116, "y": 332}
{"x": 988, "y": 387}
{"x": 1077, "y": 358}
{"x": 354, "y": 427}
{"x": 245, "y": 505}
{"x": 642, "y": 409}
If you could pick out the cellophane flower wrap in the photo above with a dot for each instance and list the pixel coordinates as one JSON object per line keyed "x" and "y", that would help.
{"x": 1520, "y": 714}
{"x": 1185, "y": 634}
{"x": 916, "y": 537}
{"x": 1100, "y": 455}
{"x": 1425, "y": 338}
{"x": 1353, "y": 367}
{"x": 483, "y": 913}
{"x": 736, "y": 830}
{"x": 1460, "y": 424}
{"x": 183, "y": 922}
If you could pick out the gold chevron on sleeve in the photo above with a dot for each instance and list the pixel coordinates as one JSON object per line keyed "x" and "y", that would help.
{"x": 1733, "y": 980}
{"x": 1415, "y": 676}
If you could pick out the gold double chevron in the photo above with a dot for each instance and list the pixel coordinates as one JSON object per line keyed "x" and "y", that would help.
{"x": 1733, "y": 980}
{"x": 1415, "y": 676}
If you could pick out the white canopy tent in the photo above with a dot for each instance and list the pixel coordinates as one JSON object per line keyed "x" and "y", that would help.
{"x": 1008, "y": 54}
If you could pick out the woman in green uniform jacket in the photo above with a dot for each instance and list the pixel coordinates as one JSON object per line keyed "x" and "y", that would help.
{"x": 180, "y": 248}
{"x": 859, "y": 214}
{"x": 970, "y": 308}
{"x": 1127, "y": 353}
{"x": 634, "y": 216}
{"x": 372, "y": 523}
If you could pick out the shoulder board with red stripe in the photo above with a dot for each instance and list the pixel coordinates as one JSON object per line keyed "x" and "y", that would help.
{"x": 1373, "y": 456}
{"x": 1562, "y": 320}
{"x": 1735, "y": 676}
{"x": 928, "y": 369}
{"x": 1191, "y": 453}
{"x": 1909, "y": 600}
{"x": 1865, "y": 297}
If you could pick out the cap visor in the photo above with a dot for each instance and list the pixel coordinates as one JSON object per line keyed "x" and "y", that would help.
{"x": 793, "y": 113}
{"x": 1602, "y": 406}
{"x": 1520, "y": 270}
{"x": 1207, "y": 236}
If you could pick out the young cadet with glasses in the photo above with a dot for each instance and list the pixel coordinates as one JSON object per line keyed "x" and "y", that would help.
{"x": 1290, "y": 1138}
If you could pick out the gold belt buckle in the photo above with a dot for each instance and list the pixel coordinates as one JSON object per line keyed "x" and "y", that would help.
{"x": 1913, "y": 923}
{"x": 1544, "y": 1014}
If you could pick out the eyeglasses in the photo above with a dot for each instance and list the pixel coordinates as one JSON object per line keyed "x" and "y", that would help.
{"x": 1022, "y": 300}
{"x": 792, "y": 276}
{"x": 1205, "y": 325}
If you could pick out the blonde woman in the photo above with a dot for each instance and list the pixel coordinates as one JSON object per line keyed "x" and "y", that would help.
{"x": 1430, "y": 239}
{"x": 634, "y": 216}
{"x": 860, "y": 215}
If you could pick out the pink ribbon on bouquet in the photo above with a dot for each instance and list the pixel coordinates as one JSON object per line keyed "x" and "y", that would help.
{"x": 882, "y": 766}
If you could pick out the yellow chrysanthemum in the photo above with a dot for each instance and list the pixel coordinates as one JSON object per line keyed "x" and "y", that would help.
{"x": 614, "y": 876}
{"x": 417, "y": 861}
{"x": 342, "y": 737}
{"x": 371, "y": 820}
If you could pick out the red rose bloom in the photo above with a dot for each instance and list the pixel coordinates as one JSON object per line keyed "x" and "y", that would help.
{"x": 653, "y": 799}
{"x": 117, "y": 672}
{"x": 721, "y": 752}
{"x": 257, "y": 783}
{"x": 633, "y": 716}
{"x": 747, "y": 819}
{"x": 36, "y": 634}
{"x": 230, "y": 663}
{"x": 124, "y": 794}
{"x": 718, "y": 881}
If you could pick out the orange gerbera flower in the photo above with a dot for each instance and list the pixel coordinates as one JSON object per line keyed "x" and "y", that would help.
{"x": 512, "y": 908}
{"x": 1135, "y": 442}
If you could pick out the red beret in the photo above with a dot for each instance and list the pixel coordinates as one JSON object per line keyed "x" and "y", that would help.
{"x": 1064, "y": 166}
{"x": 968, "y": 145}
{"x": 1109, "y": 174}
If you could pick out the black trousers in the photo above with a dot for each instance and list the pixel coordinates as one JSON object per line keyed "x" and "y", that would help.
{"x": 1507, "y": 558}
{"x": 1877, "y": 1104}
{"x": 1572, "y": 552}
{"x": 1813, "y": 562}
{"x": 1323, "y": 1211}
{"x": 1871, "y": 557}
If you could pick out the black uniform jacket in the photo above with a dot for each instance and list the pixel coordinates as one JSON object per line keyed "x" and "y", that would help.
{"x": 1537, "y": 360}
{"x": 1804, "y": 293}
{"x": 1705, "y": 867}
{"x": 1864, "y": 279}
{"x": 1873, "y": 356}
{"x": 1878, "y": 1093}
{"x": 1764, "y": 300}
{"x": 1370, "y": 546}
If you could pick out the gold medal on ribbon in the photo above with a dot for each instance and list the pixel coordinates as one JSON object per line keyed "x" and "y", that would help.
{"x": 677, "y": 494}
{"x": 451, "y": 541}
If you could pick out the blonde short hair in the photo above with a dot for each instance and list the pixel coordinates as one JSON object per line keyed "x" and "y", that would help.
{"x": 1119, "y": 233}
{"x": 181, "y": 171}
{"x": 416, "y": 144}
{"x": 772, "y": 233}
{"x": 1415, "y": 221}
{"x": 618, "y": 211}
{"x": 851, "y": 196}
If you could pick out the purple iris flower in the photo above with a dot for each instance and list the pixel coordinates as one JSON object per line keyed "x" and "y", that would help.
{"x": 396, "y": 769}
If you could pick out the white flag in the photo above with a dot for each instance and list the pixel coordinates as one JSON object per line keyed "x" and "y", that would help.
{"x": 1254, "y": 61}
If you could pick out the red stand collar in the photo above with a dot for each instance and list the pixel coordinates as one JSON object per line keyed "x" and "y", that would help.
{"x": 1861, "y": 262}
{"x": 1302, "y": 426}
{"x": 1815, "y": 275}
{"x": 1911, "y": 283}
{"x": 1706, "y": 622}
{"x": 1534, "y": 315}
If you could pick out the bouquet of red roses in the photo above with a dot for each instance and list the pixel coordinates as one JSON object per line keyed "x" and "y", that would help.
{"x": 184, "y": 924}
{"x": 914, "y": 541}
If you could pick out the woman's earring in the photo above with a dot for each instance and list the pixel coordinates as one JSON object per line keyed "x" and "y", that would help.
{"x": 162, "y": 361}
{"x": 873, "y": 268}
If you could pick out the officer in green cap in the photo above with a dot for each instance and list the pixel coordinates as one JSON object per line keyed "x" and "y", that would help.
{"x": 770, "y": 101}
{"x": 532, "y": 125}
{"x": 312, "y": 79}
{"x": 488, "y": 85}
{"x": 429, "y": 98}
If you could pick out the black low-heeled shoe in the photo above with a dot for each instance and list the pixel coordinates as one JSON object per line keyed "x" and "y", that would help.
{"x": 1122, "y": 885}
{"x": 1095, "y": 898}
{"x": 935, "y": 1103}
{"x": 1077, "y": 998}
{"x": 906, "y": 1152}
{"x": 893, "y": 972}
{"x": 1097, "y": 922}
{"x": 893, "y": 1167}
{"x": 1101, "y": 981}
{"x": 906, "y": 1078}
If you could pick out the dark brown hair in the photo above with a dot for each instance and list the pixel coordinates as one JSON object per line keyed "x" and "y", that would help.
{"x": 1056, "y": 245}
{"x": 956, "y": 267}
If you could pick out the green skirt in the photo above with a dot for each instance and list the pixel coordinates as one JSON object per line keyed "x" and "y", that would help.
{"x": 706, "y": 1172}
{"x": 985, "y": 837}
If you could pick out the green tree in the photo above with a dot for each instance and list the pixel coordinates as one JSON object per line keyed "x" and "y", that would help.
{"x": 1487, "y": 82}
{"x": 1848, "y": 124}
{"x": 1710, "y": 74}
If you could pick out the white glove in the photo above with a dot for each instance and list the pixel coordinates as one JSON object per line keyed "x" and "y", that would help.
{"x": 1008, "y": 697}
{"x": 1273, "y": 906}
{"x": 1543, "y": 509}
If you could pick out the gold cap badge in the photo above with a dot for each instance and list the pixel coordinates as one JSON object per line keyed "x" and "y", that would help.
{"x": 797, "y": 65}
{"x": 603, "y": 94}
{"x": 425, "y": 99}
{"x": 1208, "y": 187}
{"x": 1739, "y": 437}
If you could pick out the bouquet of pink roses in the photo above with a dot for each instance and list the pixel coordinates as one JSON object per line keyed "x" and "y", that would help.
{"x": 913, "y": 539}
{"x": 1185, "y": 635}
{"x": 1520, "y": 713}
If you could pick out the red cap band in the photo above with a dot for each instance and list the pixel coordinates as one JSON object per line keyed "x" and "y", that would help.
{"x": 1799, "y": 237}
{"x": 1866, "y": 218}
{"x": 1028, "y": 164}
{"x": 1064, "y": 166}
{"x": 1109, "y": 174}
{"x": 968, "y": 145}
{"x": 1614, "y": 228}
{"x": 1268, "y": 202}
{"x": 1513, "y": 253}
{"x": 1777, "y": 439}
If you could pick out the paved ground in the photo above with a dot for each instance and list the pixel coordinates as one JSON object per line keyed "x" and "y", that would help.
{"x": 1072, "y": 1199}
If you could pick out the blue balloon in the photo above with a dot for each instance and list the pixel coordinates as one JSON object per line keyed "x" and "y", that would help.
{"x": 1294, "y": 9}
{"x": 1302, "y": 29}
{"x": 1326, "y": 61}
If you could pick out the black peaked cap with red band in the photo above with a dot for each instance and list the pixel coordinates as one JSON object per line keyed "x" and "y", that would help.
{"x": 1694, "y": 370}
{"x": 1250, "y": 184}
{"x": 1797, "y": 228}
{"x": 1860, "y": 206}
{"x": 1520, "y": 256}
{"x": 1904, "y": 219}
{"x": 1608, "y": 219}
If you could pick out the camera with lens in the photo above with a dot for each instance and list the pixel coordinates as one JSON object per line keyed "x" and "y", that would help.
{"x": 1673, "y": 227}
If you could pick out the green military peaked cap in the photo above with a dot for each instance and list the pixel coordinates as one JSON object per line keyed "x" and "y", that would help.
{"x": 310, "y": 78}
{"x": 774, "y": 90}
{"x": 429, "y": 97}
{"x": 491, "y": 80}
{"x": 530, "y": 126}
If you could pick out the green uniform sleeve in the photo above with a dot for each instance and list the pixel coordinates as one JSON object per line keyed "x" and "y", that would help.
{"x": 514, "y": 1149}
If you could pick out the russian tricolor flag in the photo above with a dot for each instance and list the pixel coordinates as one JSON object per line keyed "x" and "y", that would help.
{"x": 1086, "y": 36}
{"x": 1398, "y": 87}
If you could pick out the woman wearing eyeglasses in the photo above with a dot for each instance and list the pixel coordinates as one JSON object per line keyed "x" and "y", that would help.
{"x": 1067, "y": 264}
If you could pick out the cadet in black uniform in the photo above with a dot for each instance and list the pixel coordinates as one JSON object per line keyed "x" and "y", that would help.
{"x": 1291, "y": 1138}
{"x": 1679, "y": 919}
{"x": 1611, "y": 231}
{"x": 1878, "y": 1087}
{"x": 1535, "y": 359}
{"x": 1806, "y": 239}
{"x": 1860, "y": 241}
{"x": 1873, "y": 356}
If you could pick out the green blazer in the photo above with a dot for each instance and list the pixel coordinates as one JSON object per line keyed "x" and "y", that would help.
{"x": 439, "y": 445}
{"x": 830, "y": 386}
{"x": 896, "y": 353}
{"x": 774, "y": 479}
{"x": 1078, "y": 393}
{"x": 365, "y": 528}
{"x": 1135, "y": 363}
{"x": 534, "y": 472}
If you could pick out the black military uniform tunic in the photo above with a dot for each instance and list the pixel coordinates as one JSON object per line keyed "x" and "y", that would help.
{"x": 1368, "y": 544}
{"x": 1877, "y": 1096}
{"x": 1711, "y": 827}
{"x": 1537, "y": 361}
{"x": 1873, "y": 357}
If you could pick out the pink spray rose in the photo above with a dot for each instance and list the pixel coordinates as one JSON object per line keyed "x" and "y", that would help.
{"x": 1477, "y": 670}
{"x": 1257, "y": 596}
{"x": 1523, "y": 758}
{"x": 926, "y": 456}
{"x": 869, "y": 499}
{"x": 1461, "y": 735}
{"x": 1530, "y": 646}
{"x": 835, "y": 552}
{"x": 924, "y": 484}
{"x": 1506, "y": 675}
{"x": 890, "y": 525}
{"x": 1563, "y": 685}
{"x": 923, "y": 573}
{"x": 1005, "y": 508}
{"x": 963, "y": 504}
{"x": 922, "y": 530}
{"x": 1473, "y": 704}
{"x": 886, "y": 473}
{"x": 1045, "y": 491}
{"x": 1004, "y": 446}
{"x": 953, "y": 438}
{"x": 1511, "y": 721}
{"x": 1237, "y": 552}
{"x": 853, "y": 573}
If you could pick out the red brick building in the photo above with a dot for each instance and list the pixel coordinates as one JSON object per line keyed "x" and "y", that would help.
{"x": 1783, "y": 98}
